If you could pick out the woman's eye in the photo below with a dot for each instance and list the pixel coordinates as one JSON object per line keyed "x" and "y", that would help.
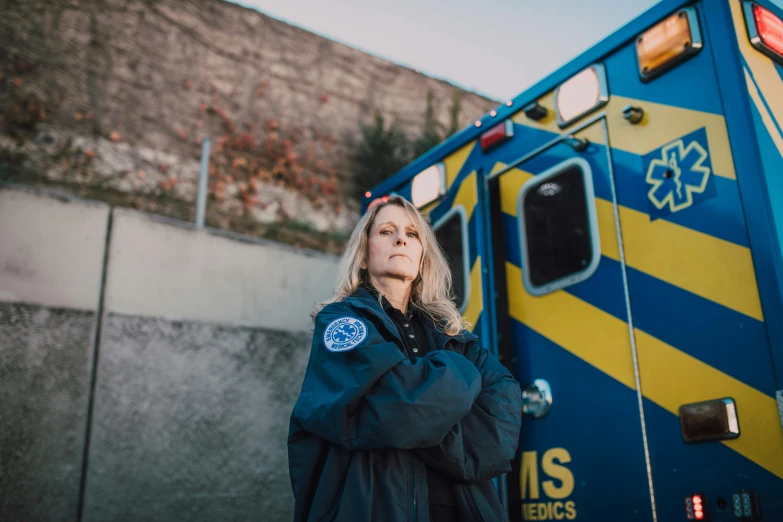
{"x": 385, "y": 232}
{"x": 413, "y": 234}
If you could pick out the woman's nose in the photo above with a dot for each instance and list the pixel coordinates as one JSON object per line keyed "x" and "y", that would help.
{"x": 400, "y": 240}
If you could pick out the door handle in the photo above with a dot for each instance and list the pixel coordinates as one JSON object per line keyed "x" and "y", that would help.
{"x": 537, "y": 399}
{"x": 578, "y": 144}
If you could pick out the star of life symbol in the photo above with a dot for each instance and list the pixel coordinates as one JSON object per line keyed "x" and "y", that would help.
{"x": 344, "y": 334}
{"x": 677, "y": 175}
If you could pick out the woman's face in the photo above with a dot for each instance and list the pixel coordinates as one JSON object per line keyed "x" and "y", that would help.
{"x": 394, "y": 245}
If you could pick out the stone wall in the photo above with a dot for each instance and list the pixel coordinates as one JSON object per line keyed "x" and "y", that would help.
{"x": 117, "y": 94}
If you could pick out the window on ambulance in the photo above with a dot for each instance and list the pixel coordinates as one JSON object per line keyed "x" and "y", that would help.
{"x": 558, "y": 227}
{"x": 452, "y": 234}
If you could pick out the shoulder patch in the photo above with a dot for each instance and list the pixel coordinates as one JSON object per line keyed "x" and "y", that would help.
{"x": 344, "y": 334}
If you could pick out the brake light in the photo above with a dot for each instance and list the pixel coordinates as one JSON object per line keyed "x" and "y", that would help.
{"x": 765, "y": 30}
{"x": 696, "y": 508}
{"x": 496, "y": 135}
{"x": 770, "y": 28}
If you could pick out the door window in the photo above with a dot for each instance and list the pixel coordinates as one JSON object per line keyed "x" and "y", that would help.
{"x": 558, "y": 227}
{"x": 452, "y": 234}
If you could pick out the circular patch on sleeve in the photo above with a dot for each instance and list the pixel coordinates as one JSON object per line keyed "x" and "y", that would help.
{"x": 344, "y": 334}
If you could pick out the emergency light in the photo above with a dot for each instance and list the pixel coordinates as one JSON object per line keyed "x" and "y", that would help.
{"x": 581, "y": 94}
{"x": 498, "y": 134}
{"x": 765, "y": 30}
{"x": 668, "y": 43}
{"x": 428, "y": 185}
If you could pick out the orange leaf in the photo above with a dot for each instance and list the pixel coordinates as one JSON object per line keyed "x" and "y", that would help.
{"x": 115, "y": 136}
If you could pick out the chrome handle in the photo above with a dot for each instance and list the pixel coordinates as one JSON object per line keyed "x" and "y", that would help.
{"x": 537, "y": 399}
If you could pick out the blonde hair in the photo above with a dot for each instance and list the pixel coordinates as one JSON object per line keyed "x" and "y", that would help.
{"x": 432, "y": 289}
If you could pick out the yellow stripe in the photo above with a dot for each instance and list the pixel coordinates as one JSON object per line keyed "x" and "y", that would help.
{"x": 602, "y": 341}
{"x": 766, "y": 117}
{"x": 668, "y": 377}
{"x": 475, "y": 302}
{"x": 549, "y": 123}
{"x": 592, "y": 335}
{"x": 761, "y": 66}
{"x": 455, "y": 161}
{"x": 699, "y": 263}
{"x": 664, "y": 123}
{"x": 467, "y": 195}
{"x": 661, "y": 124}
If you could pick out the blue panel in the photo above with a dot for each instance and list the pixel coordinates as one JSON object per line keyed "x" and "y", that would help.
{"x": 773, "y": 168}
{"x": 699, "y": 327}
{"x": 727, "y": 340}
{"x": 610, "y": 478}
{"x": 671, "y": 88}
{"x": 720, "y": 216}
{"x": 681, "y": 469}
{"x": 767, "y": 258}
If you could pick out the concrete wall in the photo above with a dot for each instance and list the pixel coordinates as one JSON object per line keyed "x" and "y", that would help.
{"x": 51, "y": 258}
{"x": 203, "y": 343}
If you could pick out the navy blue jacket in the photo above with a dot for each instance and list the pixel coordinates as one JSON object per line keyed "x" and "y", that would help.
{"x": 369, "y": 419}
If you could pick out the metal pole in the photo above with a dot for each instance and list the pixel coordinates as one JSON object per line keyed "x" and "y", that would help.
{"x": 201, "y": 198}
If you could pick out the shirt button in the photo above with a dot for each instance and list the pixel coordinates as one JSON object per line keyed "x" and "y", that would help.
{"x": 406, "y": 325}
{"x": 415, "y": 350}
{"x": 410, "y": 335}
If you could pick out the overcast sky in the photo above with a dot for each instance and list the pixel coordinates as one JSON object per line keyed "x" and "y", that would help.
{"x": 494, "y": 47}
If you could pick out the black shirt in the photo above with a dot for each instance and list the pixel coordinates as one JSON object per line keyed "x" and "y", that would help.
{"x": 411, "y": 330}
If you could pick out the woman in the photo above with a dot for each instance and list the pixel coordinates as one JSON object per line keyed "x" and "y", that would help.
{"x": 402, "y": 415}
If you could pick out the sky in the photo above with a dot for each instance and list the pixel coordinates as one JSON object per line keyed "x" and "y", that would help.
{"x": 497, "y": 48}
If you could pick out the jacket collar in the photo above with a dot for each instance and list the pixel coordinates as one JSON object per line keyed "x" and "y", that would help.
{"x": 364, "y": 300}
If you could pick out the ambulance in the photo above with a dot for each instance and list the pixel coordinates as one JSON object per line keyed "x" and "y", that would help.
{"x": 615, "y": 237}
